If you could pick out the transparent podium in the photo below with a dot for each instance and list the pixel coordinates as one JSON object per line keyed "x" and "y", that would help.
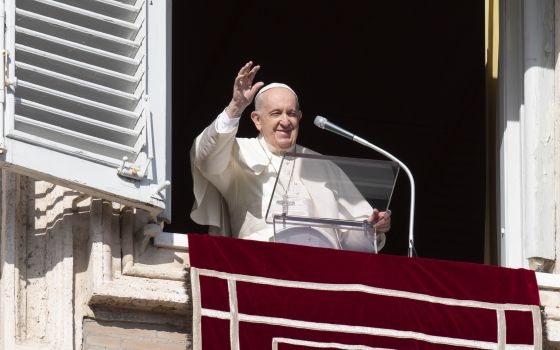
{"x": 325, "y": 201}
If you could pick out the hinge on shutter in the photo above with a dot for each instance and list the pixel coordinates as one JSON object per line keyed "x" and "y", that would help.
{"x": 10, "y": 83}
{"x": 133, "y": 171}
{"x": 158, "y": 193}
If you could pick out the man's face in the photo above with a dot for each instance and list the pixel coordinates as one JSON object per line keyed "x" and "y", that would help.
{"x": 277, "y": 118}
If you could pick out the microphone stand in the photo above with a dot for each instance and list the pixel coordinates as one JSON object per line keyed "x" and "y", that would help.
{"x": 323, "y": 123}
{"x": 363, "y": 142}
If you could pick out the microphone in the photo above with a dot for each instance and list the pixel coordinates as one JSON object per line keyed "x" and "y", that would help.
{"x": 323, "y": 123}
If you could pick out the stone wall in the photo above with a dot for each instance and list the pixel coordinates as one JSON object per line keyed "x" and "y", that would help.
{"x": 116, "y": 335}
{"x": 550, "y": 301}
{"x": 70, "y": 261}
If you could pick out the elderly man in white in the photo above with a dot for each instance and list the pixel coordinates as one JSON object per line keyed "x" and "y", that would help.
{"x": 234, "y": 177}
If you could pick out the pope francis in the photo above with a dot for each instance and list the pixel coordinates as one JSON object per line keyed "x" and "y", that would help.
{"x": 234, "y": 177}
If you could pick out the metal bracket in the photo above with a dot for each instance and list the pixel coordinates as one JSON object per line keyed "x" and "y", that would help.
{"x": 133, "y": 171}
{"x": 162, "y": 187}
{"x": 10, "y": 83}
{"x": 153, "y": 229}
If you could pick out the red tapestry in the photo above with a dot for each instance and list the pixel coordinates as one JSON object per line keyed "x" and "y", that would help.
{"x": 251, "y": 295}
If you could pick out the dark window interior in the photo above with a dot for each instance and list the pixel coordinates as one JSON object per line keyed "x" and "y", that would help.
{"x": 407, "y": 76}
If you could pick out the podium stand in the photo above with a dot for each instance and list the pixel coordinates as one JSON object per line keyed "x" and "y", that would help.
{"x": 324, "y": 201}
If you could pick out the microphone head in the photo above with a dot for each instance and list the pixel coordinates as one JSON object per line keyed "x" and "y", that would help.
{"x": 320, "y": 121}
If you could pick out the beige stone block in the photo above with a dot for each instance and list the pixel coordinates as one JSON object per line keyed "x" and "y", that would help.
{"x": 550, "y": 298}
{"x": 551, "y": 346}
{"x": 551, "y": 313}
{"x": 552, "y": 330}
{"x": 144, "y": 344}
{"x": 96, "y": 328}
{"x": 103, "y": 340}
{"x": 172, "y": 336}
{"x": 95, "y": 347}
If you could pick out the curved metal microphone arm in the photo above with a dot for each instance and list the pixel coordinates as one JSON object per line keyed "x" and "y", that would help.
{"x": 323, "y": 123}
{"x": 363, "y": 142}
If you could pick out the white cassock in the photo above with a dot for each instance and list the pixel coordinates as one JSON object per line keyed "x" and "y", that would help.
{"x": 233, "y": 180}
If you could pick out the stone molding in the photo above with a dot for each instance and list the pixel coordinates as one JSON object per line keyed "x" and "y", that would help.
{"x": 66, "y": 256}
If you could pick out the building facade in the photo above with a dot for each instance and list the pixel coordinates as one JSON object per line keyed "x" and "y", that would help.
{"x": 85, "y": 264}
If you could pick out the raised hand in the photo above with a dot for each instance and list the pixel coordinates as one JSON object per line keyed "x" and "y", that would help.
{"x": 243, "y": 90}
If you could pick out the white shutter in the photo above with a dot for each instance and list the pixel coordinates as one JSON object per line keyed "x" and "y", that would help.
{"x": 88, "y": 85}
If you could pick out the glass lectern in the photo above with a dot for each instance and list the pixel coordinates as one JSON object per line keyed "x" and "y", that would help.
{"x": 325, "y": 201}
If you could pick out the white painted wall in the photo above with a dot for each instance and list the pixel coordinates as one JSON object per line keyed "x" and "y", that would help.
{"x": 526, "y": 134}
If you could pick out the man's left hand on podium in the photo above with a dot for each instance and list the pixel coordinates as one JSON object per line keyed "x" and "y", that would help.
{"x": 381, "y": 220}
